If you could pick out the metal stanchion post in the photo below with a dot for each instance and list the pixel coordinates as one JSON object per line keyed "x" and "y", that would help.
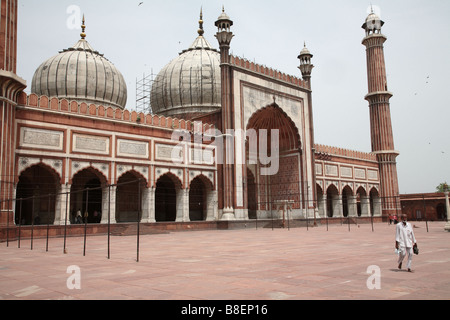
{"x": 138, "y": 220}
{"x": 288, "y": 217}
{"x": 271, "y": 214}
{"x": 48, "y": 221}
{"x": 20, "y": 222}
{"x": 7, "y": 223}
{"x": 109, "y": 220}
{"x": 65, "y": 223}
{"x": 86, "y": 215}
{"x": 32, "y": 221}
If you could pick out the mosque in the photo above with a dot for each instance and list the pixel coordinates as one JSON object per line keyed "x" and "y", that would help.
{"x": 227, "y": 139}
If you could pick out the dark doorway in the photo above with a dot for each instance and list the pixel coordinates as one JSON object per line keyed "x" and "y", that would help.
{"x": 252, "y": 196}
{"x": 165, "y": 200}
{"x": 36, "y": 196}
{"x": 197, "y": 200}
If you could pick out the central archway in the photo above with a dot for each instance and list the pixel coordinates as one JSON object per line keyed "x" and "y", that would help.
{"x": 276, "y": 184}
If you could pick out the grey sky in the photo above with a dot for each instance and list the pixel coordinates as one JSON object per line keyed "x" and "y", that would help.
{"x": 140, "y": 38}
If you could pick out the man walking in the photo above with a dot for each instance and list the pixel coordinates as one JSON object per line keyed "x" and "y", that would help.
{"x": 405, "y": 241}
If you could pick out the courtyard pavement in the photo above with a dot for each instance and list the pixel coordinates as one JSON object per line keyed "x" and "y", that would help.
{"x": 245, "y": 264}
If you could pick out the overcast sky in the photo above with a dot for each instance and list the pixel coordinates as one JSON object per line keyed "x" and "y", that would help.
{"x": 143, "y": 38}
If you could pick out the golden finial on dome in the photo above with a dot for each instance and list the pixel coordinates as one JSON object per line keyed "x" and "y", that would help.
{"x": 200, "y": 22}
{"x": 83, "y": 29}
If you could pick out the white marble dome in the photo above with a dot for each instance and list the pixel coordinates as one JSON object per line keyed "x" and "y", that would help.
{"x": 81, "y": 73}
{"x": 190, "y": 84}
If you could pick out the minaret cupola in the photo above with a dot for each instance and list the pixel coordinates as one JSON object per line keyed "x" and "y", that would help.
{"x": 305, "y": 63}
{"x": 373, "y": 24}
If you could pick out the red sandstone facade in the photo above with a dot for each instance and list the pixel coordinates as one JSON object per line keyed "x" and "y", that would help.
{"x": 60, "y": 156}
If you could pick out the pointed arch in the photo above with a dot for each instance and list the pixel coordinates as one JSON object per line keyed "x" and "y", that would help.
{"x": 333, "y": 207}
{"x": 36, "y": 193}
{"x": 25, "y": 164}
{"x": 273, "y": 117}
{"x": 139, "y": 176}
{"x": 129, "y": 196}
{"x": 86, "y": 194}
{"x": 168, "y": 197}
{"x": 103, "y": 179}
{"x": 206, "y": 180}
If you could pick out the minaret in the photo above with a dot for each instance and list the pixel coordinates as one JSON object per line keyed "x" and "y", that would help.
{"x": 11, "y": 86}
{"x": 380, "y": 115}
{"x": 305, "y": 64}
{"x": 306, "y": 68}
{"x": 224, "y": 36}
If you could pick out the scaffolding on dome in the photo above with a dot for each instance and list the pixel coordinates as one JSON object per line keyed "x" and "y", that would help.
{"x": 143, "y": 93}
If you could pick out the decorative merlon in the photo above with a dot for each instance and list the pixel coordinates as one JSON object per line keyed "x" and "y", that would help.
{"x": 64, "y": 106}
{"x": 340, "y": 152}
{"x": 269, "y": 72}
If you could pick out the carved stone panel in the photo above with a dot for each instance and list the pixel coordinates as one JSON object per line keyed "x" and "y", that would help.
{"x": 41, "y": 139}
{"x": 134, "y": 149}
{"x": 90, "y": 144}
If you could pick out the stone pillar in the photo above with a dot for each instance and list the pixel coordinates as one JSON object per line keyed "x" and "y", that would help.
{"x": 212, "y": 205}
{"x": 323, "y": 209}
{"x": 109, "y": 204}
{"x": 352, "y": 206}
{"x": 62, "y": 206}
{"x": 377, "y": 207}
{"x": 337, "y": 207}
{"x": 182, "y": 205}
{"x": 365, "y": 206}
{"x": 148, "y": 205}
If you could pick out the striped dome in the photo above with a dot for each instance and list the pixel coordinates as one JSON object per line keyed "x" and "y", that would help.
{"x": 80, "y": 73}
{"x": 190, "y": 84}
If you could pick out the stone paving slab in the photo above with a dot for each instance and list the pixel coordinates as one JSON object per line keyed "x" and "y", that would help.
{"x": 249, "y": 264}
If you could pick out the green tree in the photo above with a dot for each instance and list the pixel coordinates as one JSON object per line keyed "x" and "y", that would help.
{"x": 442, "y": 187}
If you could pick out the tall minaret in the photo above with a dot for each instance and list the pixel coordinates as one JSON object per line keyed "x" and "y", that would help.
{"x": 224, "y": 37}
{"x": 10, "y": 87}
{"x": 380, "y": 115}
{"x": 306, "y": 68}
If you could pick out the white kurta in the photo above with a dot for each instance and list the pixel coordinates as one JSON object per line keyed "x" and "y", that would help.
{"x": 405, "y": 235}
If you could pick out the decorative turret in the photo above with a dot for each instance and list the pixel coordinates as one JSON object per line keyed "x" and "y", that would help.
{"x": 224, "y": 34}
{"x": 305, "y": 63}
{"x": 373, "y": 24}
